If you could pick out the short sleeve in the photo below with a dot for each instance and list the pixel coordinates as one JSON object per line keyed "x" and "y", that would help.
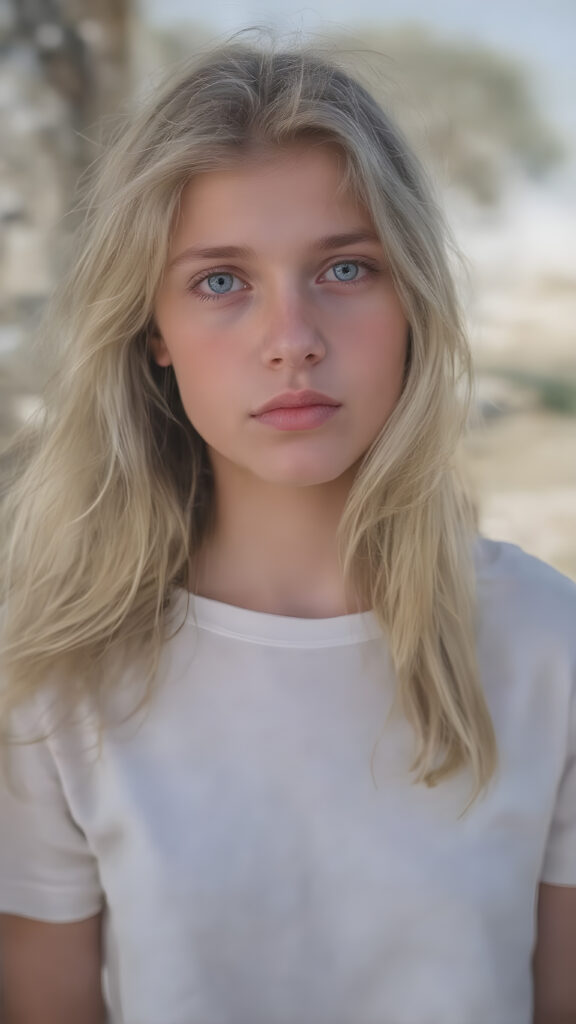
{"x": 47, "y": 870}
{"x": 560, "y": 857}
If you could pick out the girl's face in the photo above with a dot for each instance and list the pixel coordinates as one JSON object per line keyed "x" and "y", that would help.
{"x": 288, "y": 309}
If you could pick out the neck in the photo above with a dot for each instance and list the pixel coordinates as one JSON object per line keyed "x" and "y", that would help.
{"x": 273, "y": 549}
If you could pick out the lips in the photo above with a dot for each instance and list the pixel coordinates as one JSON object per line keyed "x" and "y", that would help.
{"x": 296, "y": 400}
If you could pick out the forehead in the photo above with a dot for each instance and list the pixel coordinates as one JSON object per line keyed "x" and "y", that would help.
{"x": 298, "y": 185}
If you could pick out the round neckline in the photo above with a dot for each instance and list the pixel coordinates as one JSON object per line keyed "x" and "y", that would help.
{"x": 287, "y": 630}
{"x": 267, "y": 627}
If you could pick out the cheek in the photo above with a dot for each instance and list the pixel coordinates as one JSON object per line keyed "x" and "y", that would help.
{"x": 207, "y": 388}
{"x": 380, "y": 349}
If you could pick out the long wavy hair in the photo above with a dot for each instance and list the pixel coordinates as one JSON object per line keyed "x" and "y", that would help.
{"x": 113, "y": 492}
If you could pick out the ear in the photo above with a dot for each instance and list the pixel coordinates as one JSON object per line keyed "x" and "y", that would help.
{"x": 159, "y": 349}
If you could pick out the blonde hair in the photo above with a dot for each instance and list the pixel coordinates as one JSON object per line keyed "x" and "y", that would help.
{"x": 114, "y": 492}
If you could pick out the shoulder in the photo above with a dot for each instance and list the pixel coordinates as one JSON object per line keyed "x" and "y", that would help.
{"x": 506, "y": 570}
{"x": 523, "y": 598}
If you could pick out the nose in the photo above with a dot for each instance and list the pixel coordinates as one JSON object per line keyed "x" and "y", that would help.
{"x": 291, "y": 332}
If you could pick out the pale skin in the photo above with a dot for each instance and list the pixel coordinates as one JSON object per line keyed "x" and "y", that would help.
{"x": 289, "y": 323}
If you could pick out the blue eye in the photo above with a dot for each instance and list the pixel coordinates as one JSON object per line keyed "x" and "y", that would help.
{"x": 349, "y": 270}
{"x": 218, "y": 282}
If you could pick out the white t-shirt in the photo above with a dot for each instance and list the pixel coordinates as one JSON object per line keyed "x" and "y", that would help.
{"x": 254, "y": 869}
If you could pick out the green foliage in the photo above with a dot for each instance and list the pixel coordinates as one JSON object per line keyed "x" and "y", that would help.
{"x": 554, "y": 392}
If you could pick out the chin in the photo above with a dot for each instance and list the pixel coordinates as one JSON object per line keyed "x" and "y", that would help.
{"x": 305, "y": 475}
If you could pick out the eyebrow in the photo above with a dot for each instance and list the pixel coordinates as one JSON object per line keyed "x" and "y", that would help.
{"x": 226, "y": 252}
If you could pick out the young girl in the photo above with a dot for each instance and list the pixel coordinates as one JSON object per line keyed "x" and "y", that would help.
{"x": 286, "y": 741}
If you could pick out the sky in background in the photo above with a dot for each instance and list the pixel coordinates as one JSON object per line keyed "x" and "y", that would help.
{"x": 542, "y": 32}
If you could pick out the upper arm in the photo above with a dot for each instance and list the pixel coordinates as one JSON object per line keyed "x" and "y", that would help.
{"x": 51, "y": 973}
{"x": 554, "y": 962}
{"x": 48, "y": 870}
{"x": 50, "y": 894}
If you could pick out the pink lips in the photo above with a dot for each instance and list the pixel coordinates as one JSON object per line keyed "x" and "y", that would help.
{"x": 306, "y": 418}
{"x": 296, "y": 400}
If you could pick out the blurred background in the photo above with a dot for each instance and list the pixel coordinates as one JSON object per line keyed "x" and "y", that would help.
{"x": 485, "y": 93}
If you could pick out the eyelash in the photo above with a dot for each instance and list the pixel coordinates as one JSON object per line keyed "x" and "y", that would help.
{"x": 365, "y": 264}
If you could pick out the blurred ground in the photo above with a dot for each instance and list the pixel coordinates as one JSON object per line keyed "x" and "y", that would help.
{"x": 523, "y": 466}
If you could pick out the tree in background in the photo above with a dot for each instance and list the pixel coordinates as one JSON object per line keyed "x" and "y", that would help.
{"x": 82, "y": 50}
{"x": 471, "y": 111}
{"x": 65, "y": 66}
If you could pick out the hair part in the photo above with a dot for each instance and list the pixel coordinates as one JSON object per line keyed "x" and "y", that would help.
{"x": 113, "y": 492}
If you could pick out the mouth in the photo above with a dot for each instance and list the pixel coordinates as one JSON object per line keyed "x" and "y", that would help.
{"x": 297, "y": 400}
{"x": 304, "y": 417}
